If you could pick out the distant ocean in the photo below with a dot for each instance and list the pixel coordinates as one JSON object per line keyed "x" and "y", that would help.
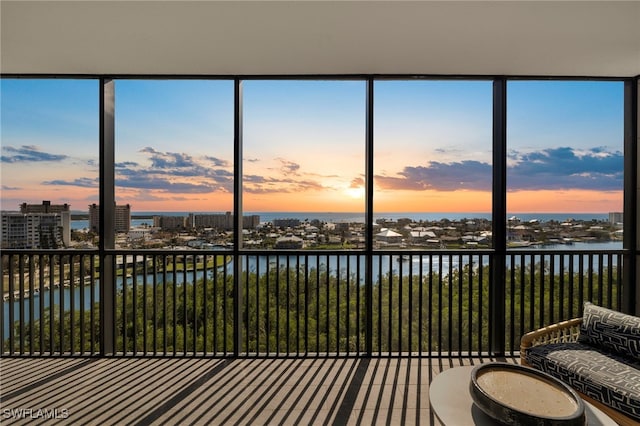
{"x": 360, "y": 217}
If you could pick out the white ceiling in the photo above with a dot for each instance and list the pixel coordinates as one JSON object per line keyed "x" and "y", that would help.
{"x": 534, "y": 38}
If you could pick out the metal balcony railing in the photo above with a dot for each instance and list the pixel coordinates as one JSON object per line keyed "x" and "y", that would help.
{"x": 292, "y": 304}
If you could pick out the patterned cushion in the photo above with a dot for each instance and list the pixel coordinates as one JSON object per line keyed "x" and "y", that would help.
{"x": 611, "y": 330}
{"x": 610, "y": 379}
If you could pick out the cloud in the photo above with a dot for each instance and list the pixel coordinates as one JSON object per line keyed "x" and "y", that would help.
{"x": 28, "y": 153}
{"x": 357, "y": 183}
{"x": 567, "y": 168}
{"x": 173, "y": 172}
{"x": 125, "y": 164}
{"x": 218, "y": 162}
{"x": 81, "y": 182}
{"x": 10, "y": 188}
{"x": 288, "y": 167}
{"x": 168, "y": 160}
{"x": 164, "y": 185}
{"x": 561, "y": 168}
{"x": 468, "y": 175}
{"x": 256, "y": 184}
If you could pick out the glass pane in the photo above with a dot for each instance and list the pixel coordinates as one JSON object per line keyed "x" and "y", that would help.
{"x": 174, "y": 162}
{"x": 304, "y": 158}
{"x": 433, "y": 156}
{"x": 50, "y": 142}
{"x": 565, "y": 163}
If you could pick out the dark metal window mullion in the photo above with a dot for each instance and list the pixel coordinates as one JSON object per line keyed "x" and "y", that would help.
{"x": 499, "y": 215}
{"x": 237, "y": 218}
{"x": 368, "y": 296}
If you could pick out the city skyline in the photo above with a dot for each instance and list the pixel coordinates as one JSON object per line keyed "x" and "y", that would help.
{"x": 304, "y": 145}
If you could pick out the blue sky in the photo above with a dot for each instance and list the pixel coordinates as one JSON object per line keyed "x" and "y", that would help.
{"x": 304, "y": 144}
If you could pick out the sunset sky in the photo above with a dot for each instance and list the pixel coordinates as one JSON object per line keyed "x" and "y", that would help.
{"x": 304, "y": 145}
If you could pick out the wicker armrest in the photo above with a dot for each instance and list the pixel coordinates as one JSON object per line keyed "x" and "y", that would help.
{"x": 565, "y": 331}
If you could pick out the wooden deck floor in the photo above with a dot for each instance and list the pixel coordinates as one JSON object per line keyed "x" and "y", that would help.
{"x": 141, "y": 391}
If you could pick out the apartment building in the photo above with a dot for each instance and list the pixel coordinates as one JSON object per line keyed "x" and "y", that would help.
{"x": 35, "y": 230}
{"x": 122, "y": 219}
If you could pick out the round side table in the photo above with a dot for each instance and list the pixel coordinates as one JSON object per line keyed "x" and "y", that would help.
{"x": 451, "y": 402}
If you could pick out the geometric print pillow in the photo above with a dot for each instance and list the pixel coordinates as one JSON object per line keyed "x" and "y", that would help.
{"x": 610, "y": 330}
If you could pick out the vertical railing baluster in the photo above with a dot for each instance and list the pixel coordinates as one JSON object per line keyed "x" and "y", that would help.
{"x": 11, "y": 299}
{"x": 523, "y": 290}
{"x": 214, "y": 315}
{"x": 297, "y": 261}
{"x": 3, "y": 349}
{"x": 267, "y": 296}
{"x": 81, "y": 275}
{"x": 185, "y": 324}
{"x": 306, "y": 305}
{"x": 561, "y": 284}
{"x": 430, "y": 306}
{"x": 450, "y": 303}
{"x": 31, "y": 303}
{"x": 571, "y": 287}
{"x": 552, "y": 300}
{"x": 460, "y": 296}
{"x": 510, "y": 262}
{"x": 317, "y": 256}
{"x": 174, "y": 303}
{"x": 410, "y": 305}
{"x": 123, "y": 274}
{"x": 62, "y": 267}
{"x": 440, "y": 304}
{"x": 327, "y": 305}
{"x": 379, "y": 330}
{"x": 470, "y": 302}
{"x": 21, "y": 302}
{"x": 145, "y": 317}
{"x": 600, "y": 277}
{"x": 277, "y": 290}
{"x": 590, "y": 277}
{"x": 541, "y": 307}
{"x": 337, "y": 348}
{"x": 619, "y": 262}
{"x": 359, "y": 286}
{"x": 194, "y": 259}
{"x": 257, "y": 302}
{"x": 532, "y": 294}
{"x": 421, "y": 303}
{"x": 247, "y": 311}
{"x": 347, "y": 304}
{"x": 41, "y": 311}
{"x": 481, "y": 303}
{"x": 52, "y": 310}
{"x": 134, "y": 305}
{"x": 581, "y": 283}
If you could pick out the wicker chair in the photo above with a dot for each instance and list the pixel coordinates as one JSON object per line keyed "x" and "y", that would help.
{"x": 562, "y": 332}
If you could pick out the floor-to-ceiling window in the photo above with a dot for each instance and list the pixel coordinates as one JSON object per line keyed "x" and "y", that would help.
{"x": 303, "y": 144}
{"x": 174, "y": 150}
{"x": 50, "y": 133}
{"x": 565, "y": 168}
{"x": 432, "y": 164}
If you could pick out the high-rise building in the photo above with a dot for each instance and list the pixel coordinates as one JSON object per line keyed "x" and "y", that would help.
{"x": 122, "y": 218}
{"x": 37, "y": 226}
{"x": 616, "y": 217}
{"x": 220, "y": 221}
{"x": 45, "y": 207}
{"x": 40, "y": 230}
{"x": 169, "y": 223}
